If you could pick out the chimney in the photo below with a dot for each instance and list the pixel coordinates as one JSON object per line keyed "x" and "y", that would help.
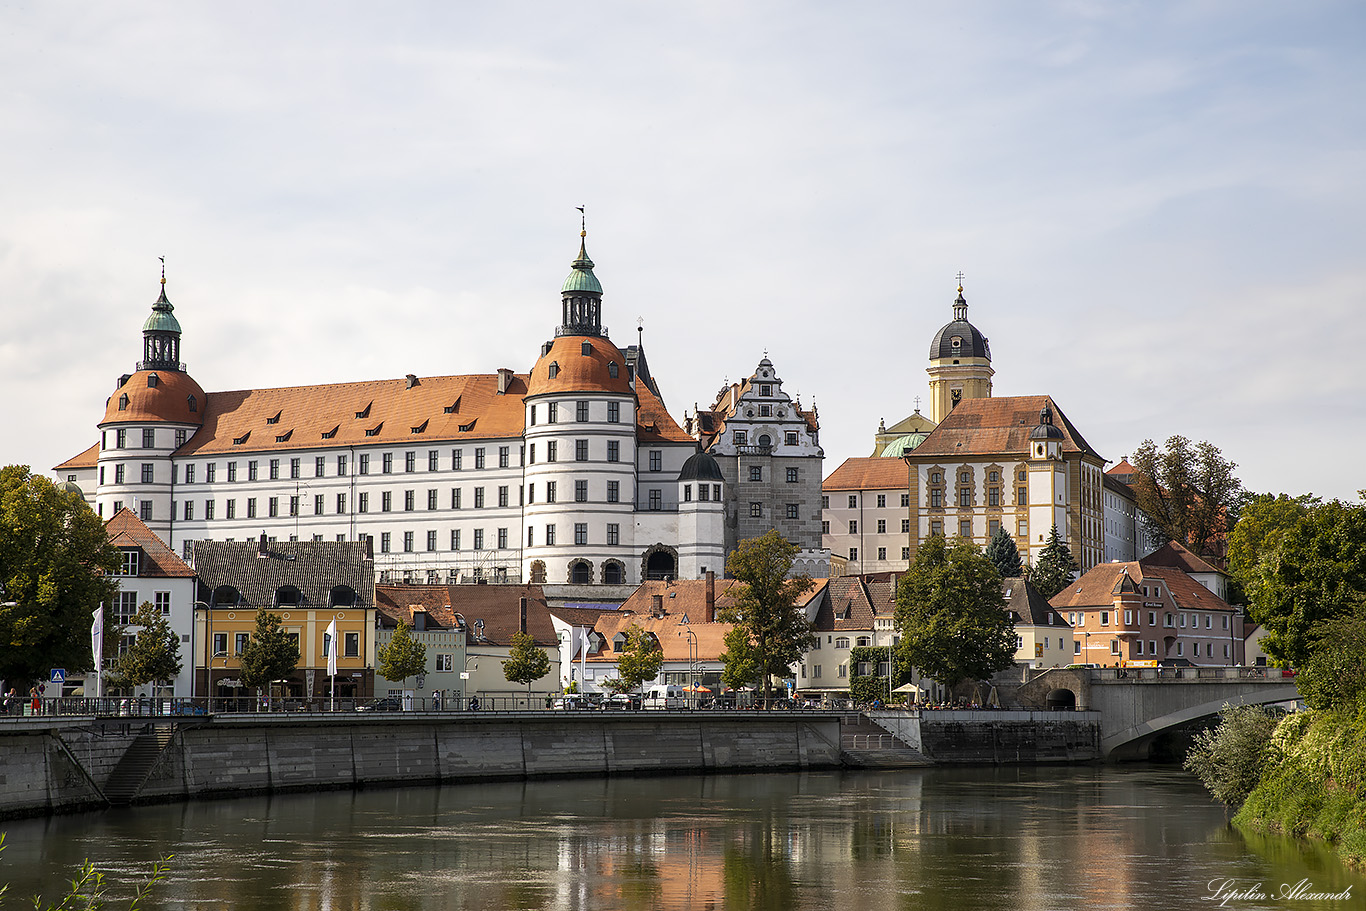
{"x": 521, "y": 615}
{"x": 369, "y": 547}
{"x": 412, "y": 381}
{"x": 261, "y": 546}
{"x": 710, "y": 615}
{"x": 656, "y": 606}
{"x": 504, "y": 380}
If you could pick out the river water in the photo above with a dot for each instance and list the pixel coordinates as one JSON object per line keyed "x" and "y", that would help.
{"x": 953, "y": 839}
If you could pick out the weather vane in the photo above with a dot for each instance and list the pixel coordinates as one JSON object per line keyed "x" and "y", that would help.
{"x": 163, "y": 269}
{"x": 583, "y": 220}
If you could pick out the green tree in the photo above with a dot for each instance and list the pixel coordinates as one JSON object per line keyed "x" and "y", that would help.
{"x": 154, "y": 656}
{"x": 1187, "y": 492}
{"x": 740, "y": 661}
{"x": 54, "y": 555}
{"x": 864, "y": 688}
{"x": 640, "y": 659}
{"x": 951, "y": 614}
{"x": 270, "y": 654}
{"x": 403, "y": 656}
{"x": 1229, "y": 759}
{"x": 1334, "y": 676}
{"x": 776, "y": 630}
{"x": 1004, "y": 555}
{"x": 1301, "y": 571}
{"x": 527, "y": 662}
{"x": 1052, "y": 572}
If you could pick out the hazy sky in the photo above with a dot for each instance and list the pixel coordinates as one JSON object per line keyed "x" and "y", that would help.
{"x": 1159, "y": 208}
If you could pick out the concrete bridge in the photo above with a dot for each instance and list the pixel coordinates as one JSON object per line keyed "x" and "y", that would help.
{"x": 1138, "y": 704}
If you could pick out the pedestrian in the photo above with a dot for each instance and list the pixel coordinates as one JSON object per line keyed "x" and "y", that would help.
{"x": 436, "y": 700}
{"x": 11, "y": 700}
{"x": 35, "y": 700}
{"x": 474, "y": 703}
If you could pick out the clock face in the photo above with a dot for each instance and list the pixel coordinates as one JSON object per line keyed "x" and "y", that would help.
{"x": 956, "y": 395}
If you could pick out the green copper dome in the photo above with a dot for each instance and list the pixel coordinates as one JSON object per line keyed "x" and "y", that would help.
{"x": 902, "y": 445}
{"x": 162, "y": 319}
{"x": 582, "y": 278}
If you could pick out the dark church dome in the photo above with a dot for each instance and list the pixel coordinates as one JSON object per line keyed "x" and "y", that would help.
{"x": 960, "y": 338}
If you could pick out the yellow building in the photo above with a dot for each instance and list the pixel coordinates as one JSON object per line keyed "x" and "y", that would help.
{"x": 309, "y": 584}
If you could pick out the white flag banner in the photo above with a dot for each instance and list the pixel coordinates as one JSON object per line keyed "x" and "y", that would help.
{"x": 97, "y": 637}
{"x": 330, "y": 643}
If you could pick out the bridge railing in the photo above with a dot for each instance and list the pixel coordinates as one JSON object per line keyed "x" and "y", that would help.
{"x": 1133, "y": 674}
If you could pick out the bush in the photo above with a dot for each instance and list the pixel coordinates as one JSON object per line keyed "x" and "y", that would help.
{"x": 1229, "y": 759}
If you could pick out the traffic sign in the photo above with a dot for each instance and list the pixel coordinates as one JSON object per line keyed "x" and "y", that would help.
{"x": 57, "y": 675}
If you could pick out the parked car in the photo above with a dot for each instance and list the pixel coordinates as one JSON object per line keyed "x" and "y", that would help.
{"x": 383, "y": 704}
{"x": 626, "y": 702}
{"x": 573, "y": 702}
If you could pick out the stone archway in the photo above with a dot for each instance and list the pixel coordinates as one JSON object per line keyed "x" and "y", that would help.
{"x": 538, "y": 572}
{"x": 580, "y": 572}
{"x": 660, "y": 561}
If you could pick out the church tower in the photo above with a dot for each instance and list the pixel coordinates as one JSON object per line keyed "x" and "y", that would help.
{"x": 960, "y": 363}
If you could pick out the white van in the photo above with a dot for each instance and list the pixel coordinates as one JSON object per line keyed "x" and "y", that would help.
{"x": 664, "y": 697}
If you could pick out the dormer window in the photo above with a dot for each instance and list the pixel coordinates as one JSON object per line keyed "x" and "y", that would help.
{"x": 586, "y": 349}
{"x": 123, "y": 402}
{"x": 152, "y": 380}
{"x": 956, "y": 342}
{"x": 275, "y": 419}
{"x": 238, "y": 441}
{"x": 612, "y": 369}
{"x": 132, "y": 561}
{"x": 554, "y": 369}
{"x": 193, "y": 403}
{"x": 364, "y": 413}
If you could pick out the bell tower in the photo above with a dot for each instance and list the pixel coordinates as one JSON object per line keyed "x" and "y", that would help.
{"x": 960, "y": 362}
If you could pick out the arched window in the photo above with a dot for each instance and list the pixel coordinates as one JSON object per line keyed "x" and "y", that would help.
{"x": 613, "y": 573}
{"x": 581, "y": 572}
{"x": 288, "y": 596}
{"x": 225, "y": 596}
{"x": 342, "y": 596}
{"x": 612, "y": 369}
{"x": 554, "y": 369}
{"x": 538, "y": 572}
{"x": 123, "y": 402}
{"x": 193, "y": 403}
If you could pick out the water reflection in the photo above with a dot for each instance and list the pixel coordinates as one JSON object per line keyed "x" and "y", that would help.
{"x": 1027, "y": 838}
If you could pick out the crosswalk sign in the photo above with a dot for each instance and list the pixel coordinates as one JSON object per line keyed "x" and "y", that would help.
{"x": 57, "y": 675}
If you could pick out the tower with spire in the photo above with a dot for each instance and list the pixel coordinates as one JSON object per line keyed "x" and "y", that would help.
{"x": 960, "y": 362}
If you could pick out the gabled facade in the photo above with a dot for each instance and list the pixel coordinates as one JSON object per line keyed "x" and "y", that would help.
{"x": 768, "y": 448}
{"x": 1043, "y": 637}
{"x": 152, "y": 573}
{"x": 1126, "y": 612}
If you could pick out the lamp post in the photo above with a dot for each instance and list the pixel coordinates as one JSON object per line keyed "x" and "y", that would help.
{"x": 692, "y": 665}
{"x": 208, "y": 648}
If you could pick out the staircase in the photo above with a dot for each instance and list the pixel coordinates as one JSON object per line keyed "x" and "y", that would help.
{"x": 866, "y": 745}
{"x": 137, "y": 762}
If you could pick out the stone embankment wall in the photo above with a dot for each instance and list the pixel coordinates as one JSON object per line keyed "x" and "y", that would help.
{"x": 55, "y": 766}
{"x": 997, "y": 737}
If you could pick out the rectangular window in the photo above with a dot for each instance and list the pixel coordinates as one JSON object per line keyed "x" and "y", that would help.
{"x": 386, "y": 463}
{"x": 504, "y": 455}
{"x": 362, "y": 503}
{"x": 125, "y": 608}
{"x": 613, "y": 451}
{"x": 613, "y": 534}
{"x": 231, "y": 507}
{"x": 386, "y": 500}
{"x": 433, "y": 460}
{"x": 502, "y": 538}
{"x": 431, "y": 498}
{"x": 905, "y": 553}
{"x": 220, "y": 644}
{"x": 210, "y": 472}
{"x": 581, "y": 411}
{"x": 906, "y": 526}
{"x": 553, "y": 412}
{"x": 530, "y": 536}
{"x": 455, "y": 539}
{"x": 341, "y": 504}
{"x": 251, "y": 507}
{"x": 1022, "y": 496}
{"x": 825, "y": 526}
{"x": 965, "y": 528}
{"x": 120, "y": 439}
{"x": 993, "y": 496}
{"x": 580, "y": 532}
{"x": 740, "y": 438}
{"x": 319, "y": 466}
{"x": 533, "y": 415}
{"x": 503, "y": 495}
{"x": 533, "y": 454}
{"x": 853, "y": 501}
{"x": 550, "y": 536}
{"x": 936, "y": 528}
{"x": 240, "y": 642}
{"x": 455, "y": 498}
{"x": 882, "y": 501}
{"x": 703, "y": 492}
{"x": 531, "y": 493}
{"x": 793, "y": 511}
{"x": 756, "y": 472}
{"x": 409, "y": 500}
{"x": 656, "y": 500}
{"x": 478, "y": 457}
{"x": 189, "y": 510}
{"x": 455, "y": 460}
{"x": 853, "y": 526}
{"x": 882, "y": 553}
{"x": 790, "y": 438}
{"x": 118, "y": 475}
{"x": 350, "y": 645}
{"x": 656, "y": 460}
{"x": 364, "y": 463}
{"x": 479, "y": 539}
{"x": 294, "y": 506}
{"x": 410, "y": 461}
{"x": 552, "y": 451}
{"x": 149, "y": 438}
{"x": 341, "y": 466}
{"x": 613, "y": 412}
{"x": 1105, "y": 618}
{"x": 756, "y": 510}
{"x": 385, "y": 542}
{"x": 580, "y": 491}
{"x": 275, "y": 469}
{"x": 882, "y": 526}
{"x": 189, "y": 474}
{"x": 905, "y": 499}
{"x": 296, "y": 468}
{"x": 613, "y": 491}
{"x": 478, "y": 498}
{"x": 208, "y": 510}
{"x": 965, "y": 496}
{"x": 580, "y": 450}
{"x": 1128, "y": 617}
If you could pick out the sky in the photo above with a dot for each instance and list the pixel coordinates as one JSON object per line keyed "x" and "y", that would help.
{"x": 1158, "y": 208}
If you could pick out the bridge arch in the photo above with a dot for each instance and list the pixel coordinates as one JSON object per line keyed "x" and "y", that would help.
{"x": 1131, "y": 741}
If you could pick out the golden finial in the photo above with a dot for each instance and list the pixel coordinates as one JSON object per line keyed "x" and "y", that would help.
{"x": 163, "y": 269}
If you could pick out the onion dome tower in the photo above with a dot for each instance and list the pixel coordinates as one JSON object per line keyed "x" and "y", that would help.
{"x": 960, "y": 362}
{"x": 580, "y": 447}
{"x": 150, "y": 415}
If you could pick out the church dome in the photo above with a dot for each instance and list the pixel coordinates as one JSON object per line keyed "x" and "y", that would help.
{"x": 701, "y": 466}
{"x": 1046, "y": 429}
{"x": 580, "y": 363}
{"x": 959, "y": 338}
{"x": 156, "y": 396}
{"x": 903, "y": 444}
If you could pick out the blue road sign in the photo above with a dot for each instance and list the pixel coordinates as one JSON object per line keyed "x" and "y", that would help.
{"x": 57, "y": 675}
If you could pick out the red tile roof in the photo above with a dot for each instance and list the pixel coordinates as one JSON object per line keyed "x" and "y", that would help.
{"x": 87, "y": 459}
{"x": 499, "y": 606}
{"x": 1096, "y": 588}
{"x": 996, "y": 425}
{"x": 577, "y": 372}
{"x": 169, "y": 400}
{"x": 868, "y": 474}
{"x": 125, "y": 530}
{"x": 671, "y": 632}
{"x": 1177, "y": 556}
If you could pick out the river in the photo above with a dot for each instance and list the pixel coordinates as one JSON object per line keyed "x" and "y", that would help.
{"x": 1035, "y": 837}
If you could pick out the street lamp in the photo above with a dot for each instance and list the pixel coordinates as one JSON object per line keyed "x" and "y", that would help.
{"x": 692, "y": 664}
